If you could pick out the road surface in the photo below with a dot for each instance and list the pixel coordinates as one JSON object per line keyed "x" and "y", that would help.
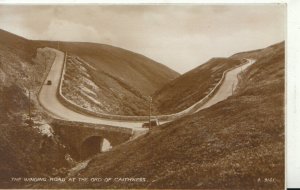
{"x": 50, "y": 102}
{"x": 228, "y": 86}
{"x": 48, "y": 97}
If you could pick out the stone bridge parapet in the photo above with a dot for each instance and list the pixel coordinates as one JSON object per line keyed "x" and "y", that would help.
{"x": 85, "y": 139}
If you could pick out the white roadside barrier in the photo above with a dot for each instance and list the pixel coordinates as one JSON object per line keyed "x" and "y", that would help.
{"x": 168, "y": 117}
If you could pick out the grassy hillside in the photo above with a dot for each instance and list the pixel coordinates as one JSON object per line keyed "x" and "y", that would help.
{"x": 257, "y": 54}
{"x": 192, "y": 86}
{"x": 24, "y": 150}
{"x": 25, "y": 49}
{"x": 140, "y": 72}
{"x": 236, "y": 144}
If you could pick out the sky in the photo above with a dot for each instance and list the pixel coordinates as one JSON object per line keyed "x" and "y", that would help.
{"x": 181, "y": 37}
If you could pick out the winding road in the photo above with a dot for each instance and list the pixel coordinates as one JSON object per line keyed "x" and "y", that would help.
{"x": 48, "y": 99}
{"x": 50, "y": 102}
{"x": 228, "y": 86}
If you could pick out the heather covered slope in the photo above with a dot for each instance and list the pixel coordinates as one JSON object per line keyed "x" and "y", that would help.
{"x": 257, "y": 54}
{"x": 24, "y": 151}
{"x": 236, "y": 144}
{"x": 192, "y": 86}
{"x": 140, "y": 72}
{"x": 12, "y": 44}
{"x": 22, "y": 67}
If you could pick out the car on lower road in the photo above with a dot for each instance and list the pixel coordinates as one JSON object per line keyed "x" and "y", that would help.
{"x": 153, "y": 122}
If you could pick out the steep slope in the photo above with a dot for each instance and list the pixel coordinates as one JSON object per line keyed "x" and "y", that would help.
{"x": 235, "y": 144}
{"x": 140, "y": 72}
{"x": 24, "y": 150}
{"x": 257, "y": 54}
{"x": 192, "y": 86}
{"x": 123, "y": 80}
{"x": 25, "y": 49}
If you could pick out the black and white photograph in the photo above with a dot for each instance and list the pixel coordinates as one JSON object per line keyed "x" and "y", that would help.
{"x": 143, "y": 96}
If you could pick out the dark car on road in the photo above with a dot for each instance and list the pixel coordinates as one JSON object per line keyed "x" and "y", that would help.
{"x": 154, "y": 122}
{"x": 49, "y": 82}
